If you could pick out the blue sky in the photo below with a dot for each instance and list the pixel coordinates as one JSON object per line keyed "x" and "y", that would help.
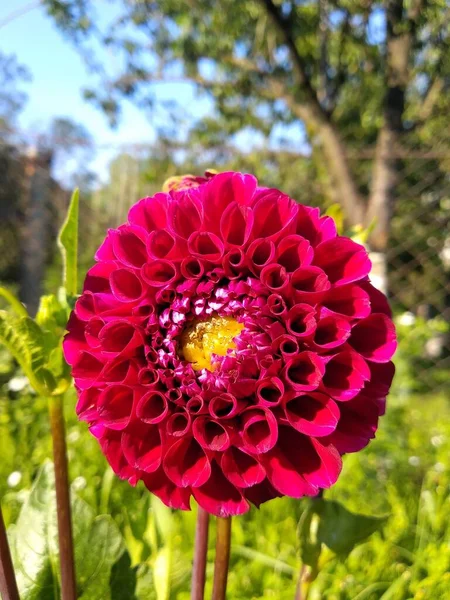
{"x": 59, "y": 74}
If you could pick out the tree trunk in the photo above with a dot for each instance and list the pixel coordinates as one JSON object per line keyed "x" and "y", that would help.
{"x": 34, "y": 238}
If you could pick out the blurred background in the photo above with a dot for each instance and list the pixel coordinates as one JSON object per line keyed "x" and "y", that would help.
{"x": 343, "y": 105}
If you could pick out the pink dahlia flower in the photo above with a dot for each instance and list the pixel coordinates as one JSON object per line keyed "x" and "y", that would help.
{"x": 229, "y": 346}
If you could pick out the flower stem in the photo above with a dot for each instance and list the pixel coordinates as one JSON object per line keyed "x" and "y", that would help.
{"x": 302, "y": 589}
{"x": 66, "y": 552}
{"x": 223, "y": 541}
{"x": 200, "y": 553}
{"x": 8, "y": 585}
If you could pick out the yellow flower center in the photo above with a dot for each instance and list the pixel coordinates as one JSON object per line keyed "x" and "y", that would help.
{"x": 202, "y": 339}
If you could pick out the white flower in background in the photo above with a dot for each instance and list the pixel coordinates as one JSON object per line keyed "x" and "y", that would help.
{"x": 439, "y": 467}
{"x": 406, "y": 318}
{"x": 14, "y": 479}
{"x": 17, "y": 384}
{"x": 414, "y": 461}
{"x": 437, "y": 440}
{"x": 73, "y": 436}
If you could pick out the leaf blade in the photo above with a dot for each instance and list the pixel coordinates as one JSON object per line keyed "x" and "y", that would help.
{"x": 68, "y": 244}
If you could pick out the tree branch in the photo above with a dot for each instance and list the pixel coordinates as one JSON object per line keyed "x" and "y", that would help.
{"x": 284, "y": 27}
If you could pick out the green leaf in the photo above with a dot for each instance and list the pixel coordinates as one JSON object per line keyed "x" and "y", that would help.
{"x": 25, "y": 340}
{"x": 34, "y": 546}
{"x": 123, "y": 579}
{"x": 340, "y": 529}
{"x": 161, "y": 572}
{"x": 68, "y": 243}
{"x": 15, "y": 304}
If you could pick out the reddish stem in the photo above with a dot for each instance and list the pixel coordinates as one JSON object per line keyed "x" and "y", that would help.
{"x": 200, "y": 554}
{"x": 8, "y": 585}
{"x": 66, "y": 552}
{"x": 223, "y": 542}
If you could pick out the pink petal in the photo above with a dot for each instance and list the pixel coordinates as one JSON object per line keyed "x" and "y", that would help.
{"x": 219, "y": 497}
{"x": 304, "y": 372}
{"x": 115, "y": 405}
{"x": 241, "y": 469}
{"x": 343, "y": 260}
{"x": 313, "y": 414}
{"x": 348, "y": 300}
{"x": 152, "y": 407}
{"x": 186, "y": 464}
{"x": 345, "y": 375}
{"x": 294, "y": 252}
{"x": 374, "y": 338}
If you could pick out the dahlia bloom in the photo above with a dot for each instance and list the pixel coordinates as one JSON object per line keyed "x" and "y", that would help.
{"x": 229, "y": 346}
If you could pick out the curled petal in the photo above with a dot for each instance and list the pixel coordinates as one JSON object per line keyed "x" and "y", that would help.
{"x": 179, "y": 424}
{"x": 186, "y": 464}
{"x": 125, "y": 285}
{"x": 345, "y": 375}
{"x": 349, "y": 300}
{"x": 331, "y": 332}
{"x": 150, "y": 213}
{"x": 142, "y": 447}
{"x": 260, "y": 254}
{"x": 275, "y": 278}
{"x": 220, "y": 497}
{"x": 241, "y": 469}
{"x": 152, "y": 407}
{"x": 374, "y": 338}
{"x": 343, "y": 260}
{"x": 159, "y": 273}
{"x": 301, "y": 322}
{"x": 304, "y": 372}
{"x": 128, "y": 244}
{"x": 259, "y": 430}
{"x": 206, "y": 245}
{"x": 115, "y": 405}
{"x": 270, "y": 391}
{"x": 314, "y": 414}
{"x": 211, "y": 434}
{"x": 174, "y": 497}
{"x": 294, "y": 252}
{"x": 309, "y": 284}
{"x": 236, "y": 224}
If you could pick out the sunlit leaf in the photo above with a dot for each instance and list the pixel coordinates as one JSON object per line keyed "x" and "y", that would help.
{"x": 68, "y": 243}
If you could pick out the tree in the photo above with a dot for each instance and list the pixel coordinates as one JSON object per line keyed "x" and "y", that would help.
{"x": 12, "y": 98}
{"x": 351, "y": 73}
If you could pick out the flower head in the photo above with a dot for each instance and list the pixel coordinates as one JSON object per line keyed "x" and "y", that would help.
{"x": 229, "y": 346}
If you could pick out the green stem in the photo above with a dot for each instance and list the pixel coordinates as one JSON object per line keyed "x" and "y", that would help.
{"x": 223, "y": 541}
{"x": 200, "y": 555}
{"x": 66, "y": 552}
{"x": 8, "y": 585}
{"x": 302, "y": 589}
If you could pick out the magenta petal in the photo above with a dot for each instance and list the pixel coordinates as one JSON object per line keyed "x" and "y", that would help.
{"x": 259, "y": 430}
{"x": 186, "y": 464}
{"x": 343, "y": 260}
{"x": 150, "y": 213}
{"x": 159, "y": 273}
{"x": 261, "y": 492}
{"x": 304, "y": 372}
{"x": 345, "y": 375}
{"x": 270, "y": 391}
{"x": 236, "y": 224}
{"x": 375, "y": 338}
{"x": 115, "y": 405}
{"x": 309, "y": 284}
{"x": 125, "y": 285}
{"x": 241, "y": 469}
{"x": 179, "y": 424}
{"x": 275, "y": 278}
{"x": 185, "y": 215}
{"x": 331, "y": 332}
{"x": 128, "y": 244}
{"x": 260, "y": 253}
{"x": 152, "y": 407}
{"x": 142, "y": 447}
{"x": 348, "y": 300}
{"x": 313, "y": 414}
{"x": 285, "y": 468}
{"x": 219, "y": 497}
{"x": 211, "y": 434}
{"x": 294, "y": 252}
{"x": 206, "y": 245}
{"x": 86, "y": 369}
{"x": 301, "y": 321}
{"x": 158, "y": 483}
{"x": 323, "y": 464}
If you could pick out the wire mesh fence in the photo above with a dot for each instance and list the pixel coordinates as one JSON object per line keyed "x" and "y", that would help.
{"x": 417, "y": 257}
